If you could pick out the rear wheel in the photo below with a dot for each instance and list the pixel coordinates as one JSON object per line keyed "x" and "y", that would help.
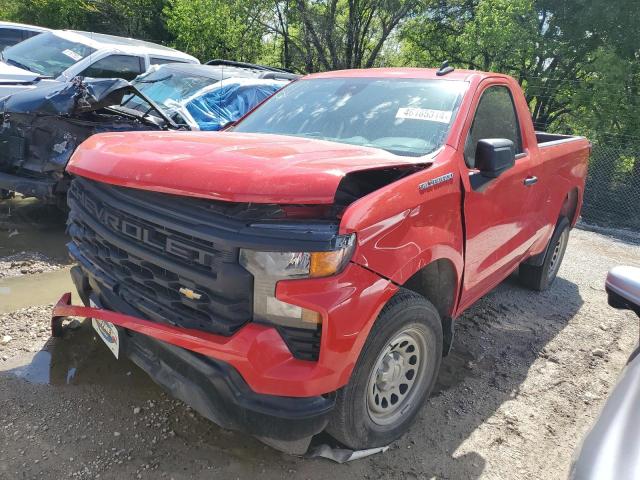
{"x": 395, "y": 373}
{"x": 541, "y": 277}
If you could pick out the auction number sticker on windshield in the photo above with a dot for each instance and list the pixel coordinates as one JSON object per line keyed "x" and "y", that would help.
{"x": 72, "y": 55}
{"x": 441, "y": 116}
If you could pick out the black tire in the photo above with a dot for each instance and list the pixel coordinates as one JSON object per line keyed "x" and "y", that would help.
{"x": 542, "y": 277}
{"x": 408, "y": 317}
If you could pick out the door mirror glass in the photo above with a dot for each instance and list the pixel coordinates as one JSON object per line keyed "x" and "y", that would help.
{"x": 623, "y": 288}
{"x": 494, "y": 156}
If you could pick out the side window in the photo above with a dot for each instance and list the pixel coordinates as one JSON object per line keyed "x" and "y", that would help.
{"x": 162, "y": 61}
{"x": 29, "y": 33}
{"x": 9, "y": 37}
{"x": 496, "y": 117}
{"x": 116, "y": 66}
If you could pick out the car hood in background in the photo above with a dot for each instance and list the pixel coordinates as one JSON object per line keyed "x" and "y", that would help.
{"x": 14, "y": 80}
{"x": 229, "y": 166}
{"x": 71, "y": 98}
{"x": 11, "y": 74}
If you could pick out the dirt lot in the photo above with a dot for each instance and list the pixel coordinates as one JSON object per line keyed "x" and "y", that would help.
{"x": 527, "y": 376}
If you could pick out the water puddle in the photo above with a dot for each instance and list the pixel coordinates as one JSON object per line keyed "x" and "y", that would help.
{"x": 29, "y": 225}
{"x": 38, "y": 289}
{"x": 78, "y": 358}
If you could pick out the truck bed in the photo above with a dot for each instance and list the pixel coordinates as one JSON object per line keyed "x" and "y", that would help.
{"x": 546, "y": 139}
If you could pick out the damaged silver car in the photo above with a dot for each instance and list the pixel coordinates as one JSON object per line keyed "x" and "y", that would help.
{"x": 41, "y": 128}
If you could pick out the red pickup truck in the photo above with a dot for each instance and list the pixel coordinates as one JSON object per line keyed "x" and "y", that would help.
{"x": 302, "y": 271}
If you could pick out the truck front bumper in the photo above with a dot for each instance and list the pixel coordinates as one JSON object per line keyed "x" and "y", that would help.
{"x": 211, "y": 387}
{"x": 248, "y": 381}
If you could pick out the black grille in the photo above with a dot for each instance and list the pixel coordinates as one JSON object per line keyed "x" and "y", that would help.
{"x": 162, "y": 257}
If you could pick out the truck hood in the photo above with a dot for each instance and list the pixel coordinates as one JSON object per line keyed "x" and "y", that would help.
{"x": 234, "y": 167}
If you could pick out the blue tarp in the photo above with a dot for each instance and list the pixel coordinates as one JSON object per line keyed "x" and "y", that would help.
{"x": 215, "y": 106}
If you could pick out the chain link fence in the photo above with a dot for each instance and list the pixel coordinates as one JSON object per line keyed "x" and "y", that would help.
{"x": 612, "y": 194}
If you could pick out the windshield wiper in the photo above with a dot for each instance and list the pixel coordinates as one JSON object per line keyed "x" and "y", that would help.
{"x": 153, "y": 106}
{"x": 156, "y": 80}
{"x": 19, "y": 65}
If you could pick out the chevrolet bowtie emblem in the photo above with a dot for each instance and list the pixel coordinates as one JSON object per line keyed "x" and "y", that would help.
{"x": 190, "y": 294}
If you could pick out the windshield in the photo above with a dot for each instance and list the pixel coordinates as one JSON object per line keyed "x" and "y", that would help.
{"x": 164, "y": 86}
{"x": 404, "y": 116}
{"x": 46, "y": 54}
{"x": 201, "y": 102}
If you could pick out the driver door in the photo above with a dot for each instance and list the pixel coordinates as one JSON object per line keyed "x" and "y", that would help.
{"x": 499, "y": 222}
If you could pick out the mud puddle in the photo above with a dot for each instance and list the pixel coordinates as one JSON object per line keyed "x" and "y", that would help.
{"x": 39, "y": 289}
{"x": 79, "y": 357}
{"x": 30, "y": 225}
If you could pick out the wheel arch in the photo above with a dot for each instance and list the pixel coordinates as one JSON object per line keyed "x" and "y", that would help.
{"x": 570, "y": 204}
{"x": 438, "y": 282}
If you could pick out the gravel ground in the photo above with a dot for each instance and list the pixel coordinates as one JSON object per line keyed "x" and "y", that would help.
{"x": 27, "y": 263}
{"x": 527, "y": 376}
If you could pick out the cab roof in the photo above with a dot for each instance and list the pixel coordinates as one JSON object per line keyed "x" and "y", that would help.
{"x": 23, "y": 26}
{"x": 101, "y": 41}
{"x": 406, "y": 73}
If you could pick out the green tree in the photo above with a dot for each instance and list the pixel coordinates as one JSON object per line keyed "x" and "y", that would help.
{"x": 550, "y": 46}
{"x": 132, "y": 18}
{"x": 216, "y": 28}
{"x": 333, "y": 34}
{"x": 73, "y": 14}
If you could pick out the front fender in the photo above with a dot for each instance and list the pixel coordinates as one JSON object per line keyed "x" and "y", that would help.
{"x": 403, "y": 227}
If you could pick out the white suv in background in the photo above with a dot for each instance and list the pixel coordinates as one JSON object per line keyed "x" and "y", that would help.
{"x": 64, "y": 54}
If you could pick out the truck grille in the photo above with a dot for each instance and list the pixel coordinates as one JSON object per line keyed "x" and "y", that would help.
{"x": 162, "y": 255}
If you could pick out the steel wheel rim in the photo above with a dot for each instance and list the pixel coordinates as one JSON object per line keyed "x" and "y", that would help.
{"x": 554, "y": 264}
{"x": 397, "y": 376}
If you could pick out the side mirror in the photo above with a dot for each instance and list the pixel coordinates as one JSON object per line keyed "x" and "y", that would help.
{"x": 623, "y": 288}
{"x": 494, "y": 156}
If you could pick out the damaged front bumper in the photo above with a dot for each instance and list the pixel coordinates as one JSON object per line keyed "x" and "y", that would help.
{"x": 182, "y": 362}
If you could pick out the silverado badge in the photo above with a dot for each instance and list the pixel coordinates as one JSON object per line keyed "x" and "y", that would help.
{"x": 435, "y": 181}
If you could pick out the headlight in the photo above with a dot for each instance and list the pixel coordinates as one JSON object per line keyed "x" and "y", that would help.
{"x": 268, "y": 268}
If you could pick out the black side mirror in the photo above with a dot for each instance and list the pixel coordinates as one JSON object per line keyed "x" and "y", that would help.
{"x": 494, "y": 156}
{"x": 623, "y": 288}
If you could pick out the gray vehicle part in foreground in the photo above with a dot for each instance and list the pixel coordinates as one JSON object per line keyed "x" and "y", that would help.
{"x": 611, "y": 450}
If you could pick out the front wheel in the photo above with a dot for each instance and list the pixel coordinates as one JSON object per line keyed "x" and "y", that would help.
{"x": 395, "y": 373}
{"x": 541, "y": 277}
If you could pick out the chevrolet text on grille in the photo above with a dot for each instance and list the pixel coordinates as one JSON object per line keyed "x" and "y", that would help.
{"x": 161, "y": 241}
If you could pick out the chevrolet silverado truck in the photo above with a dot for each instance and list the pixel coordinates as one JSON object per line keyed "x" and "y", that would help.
{"x": 302, "y": 272}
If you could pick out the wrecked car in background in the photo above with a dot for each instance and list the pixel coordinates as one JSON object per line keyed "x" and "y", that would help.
{"x": 41, "y": 128}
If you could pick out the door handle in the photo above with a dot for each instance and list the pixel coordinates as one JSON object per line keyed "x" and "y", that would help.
{"x": 530, "y": 181}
